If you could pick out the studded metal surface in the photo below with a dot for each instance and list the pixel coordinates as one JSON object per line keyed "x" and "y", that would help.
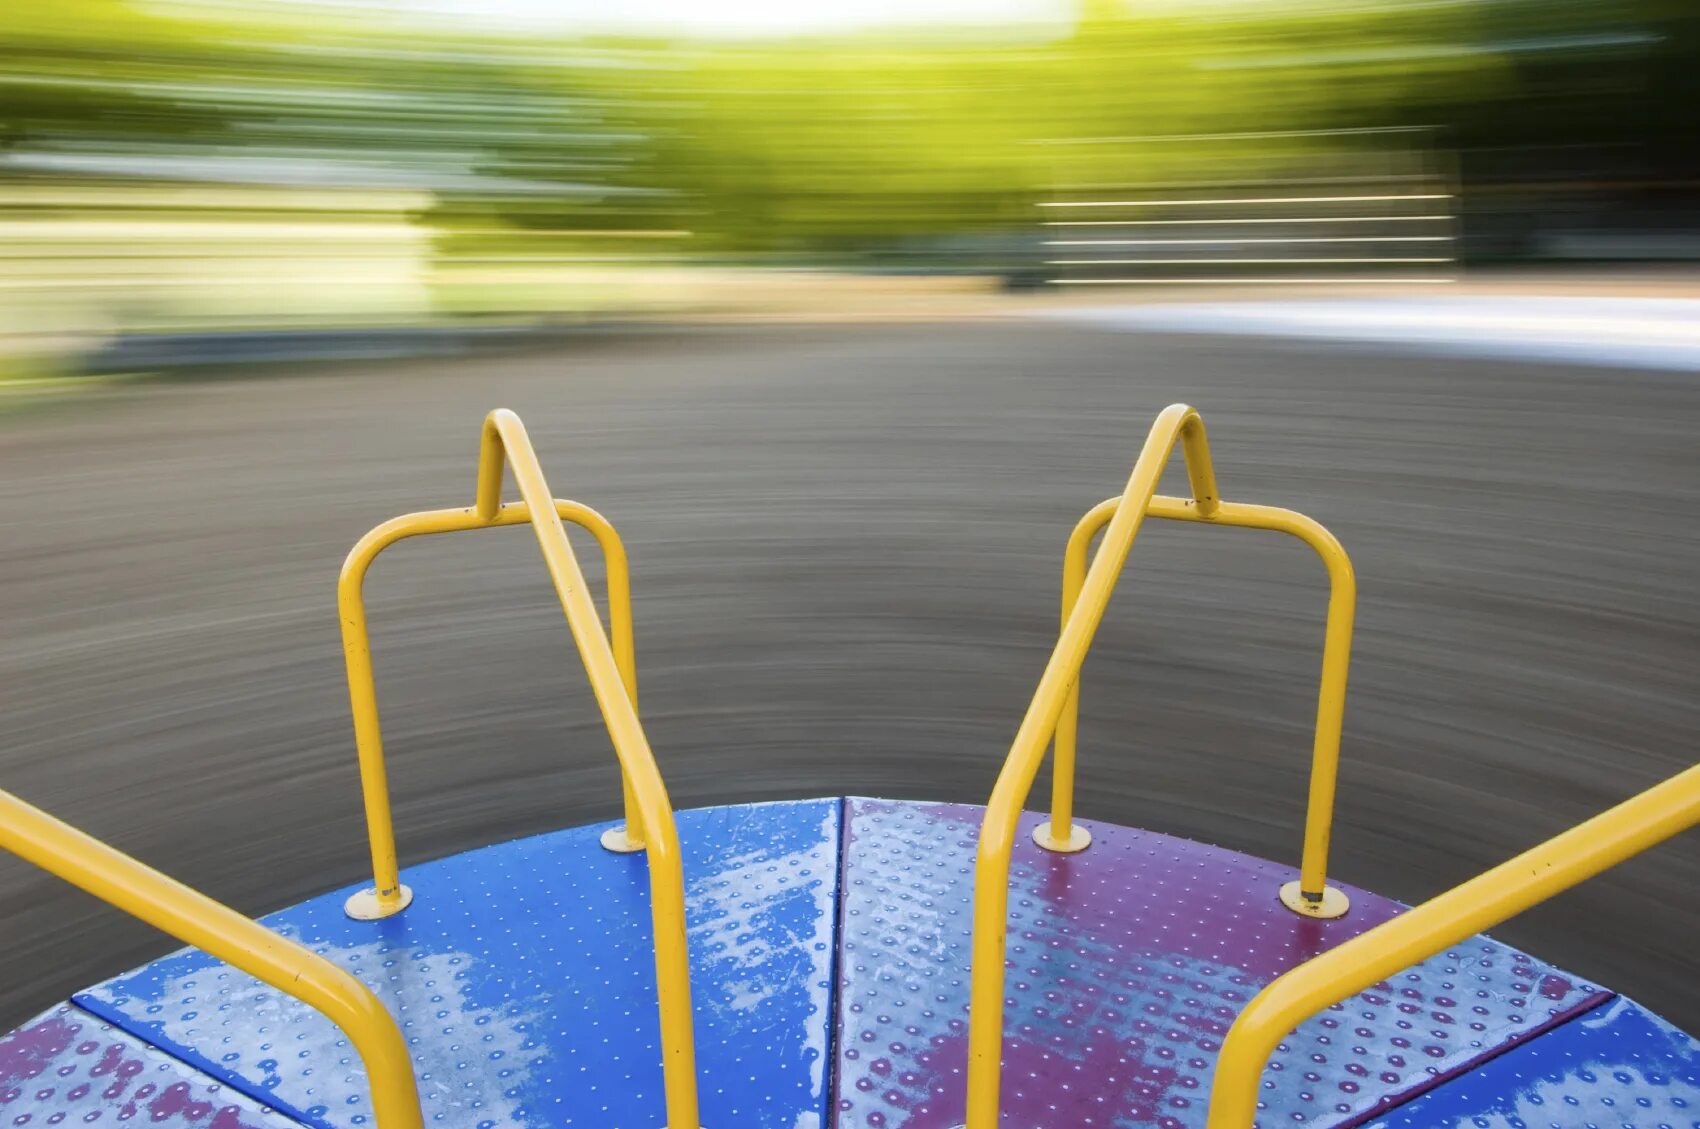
{"x": 524, "y": 980}
{"x": 1615, "y": 1067}
{"x": 65, "y": 1067}
{"x": 1127, "y": 963}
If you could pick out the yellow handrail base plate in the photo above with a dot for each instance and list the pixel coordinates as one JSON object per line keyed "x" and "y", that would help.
{"x": 616, "y": 839}
{"x": 1078, "y": 839}
{"x": 1332, "y": 904}
{"x": 364, "y": 905}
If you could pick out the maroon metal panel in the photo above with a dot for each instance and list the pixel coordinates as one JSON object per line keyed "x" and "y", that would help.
{"x": 1126, "y": 964}
{"x": 67, "y": 1067}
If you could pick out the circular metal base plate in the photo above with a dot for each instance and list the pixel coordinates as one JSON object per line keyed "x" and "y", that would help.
{"x": 615, "y": 839}
{"x": 1078, "y": 839}
{"x": 363, "y": 905}
{"x": 1333, "y": 903}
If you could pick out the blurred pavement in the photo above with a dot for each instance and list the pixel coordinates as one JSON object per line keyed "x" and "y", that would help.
{"x": 846, "y": 544}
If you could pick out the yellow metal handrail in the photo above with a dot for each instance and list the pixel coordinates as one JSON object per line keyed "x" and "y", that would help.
{"x": 387, "y": 895}
{"x": 649, "y": 814}
{"x": 1508, "y": 889}
{"x": 1058, "y": 692}
{"x": 1310, "y": 895}
{"x": 196, "y": 919}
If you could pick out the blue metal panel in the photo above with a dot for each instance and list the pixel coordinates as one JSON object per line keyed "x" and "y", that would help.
{"x": 67, "y": 1067}
{"x": 524, "y": 979}
{"x": 1616, "y": 1067}
{"x": 1127, "y": 963}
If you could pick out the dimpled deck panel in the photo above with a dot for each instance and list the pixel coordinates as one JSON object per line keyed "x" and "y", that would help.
{"x": 524, "y": 980}
{"x": 1127, "y": 963}
{"x": 1616, "y": 1067}
{"x": 65, "y": 1067}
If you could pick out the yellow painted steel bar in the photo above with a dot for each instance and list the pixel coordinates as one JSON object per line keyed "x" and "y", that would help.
{"x": 1336, "y": 658}
{"x": 197, "y": 920}
{"x": 1481, "y": 903}
{"x": 1177, "y": 423}
{"x": 362, "y": 685}
{"x": 504, "y": 441}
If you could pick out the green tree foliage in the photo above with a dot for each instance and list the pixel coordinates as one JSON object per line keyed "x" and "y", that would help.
{"x": 850, "y": 147}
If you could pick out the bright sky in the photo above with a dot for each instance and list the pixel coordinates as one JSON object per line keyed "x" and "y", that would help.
{"x": 748, "y": 17}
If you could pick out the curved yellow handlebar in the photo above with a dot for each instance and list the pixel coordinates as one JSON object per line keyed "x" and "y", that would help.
{"x": 1312, "y": 896}
{"x": 196, "y": 919}
{"x": 1359, "y": 963}
{"x": 386, "y": 896}
{"x": 1481, "y": 903}
{"x": 504, "y": 444}
{"x": 504, "y": 439}
{"x": 1178, "y": 423}
{"x": 1056, "y": 704}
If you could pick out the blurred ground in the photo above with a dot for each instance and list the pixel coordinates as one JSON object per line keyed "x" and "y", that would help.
{"x": 846, "y": 543}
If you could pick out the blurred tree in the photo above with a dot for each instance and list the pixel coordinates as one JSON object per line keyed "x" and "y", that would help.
{"x": 75, "y": 74}
{"x": 872, "y": 149}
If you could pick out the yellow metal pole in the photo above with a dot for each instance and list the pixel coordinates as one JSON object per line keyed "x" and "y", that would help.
{"x": 1481, "y": 903}
{"x": 387, "y": 895}
{"x": 1200, "y": 471}
{"x": 1060, "y": 833}
{"x": 629, "y": 836}
{"x": 504, "y": 440}
{"x": 1003, "y": 810}
{"x": 196, "y": 919}
{"x": 1054, "y": 712}
{"x": 1310, "y": 895}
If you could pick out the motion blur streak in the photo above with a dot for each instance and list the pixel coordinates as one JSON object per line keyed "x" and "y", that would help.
{"x": 171, "y": 167}
{"x": 843, "y": 541}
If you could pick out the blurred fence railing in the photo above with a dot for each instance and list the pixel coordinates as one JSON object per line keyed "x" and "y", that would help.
{"x": 1345, "y": 206}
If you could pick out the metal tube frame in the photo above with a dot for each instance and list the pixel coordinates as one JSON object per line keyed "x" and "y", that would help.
{"x": 1310, "y": 895}
{"x": 387, "y": 895}
{"x": 1481, "y": 903}
{"x": 1058, "y": 692}
{"x": 198, "y": 920}
{"x": 504, "y": 445}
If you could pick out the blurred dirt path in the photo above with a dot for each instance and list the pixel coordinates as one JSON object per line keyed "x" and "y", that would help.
{"x": 846, "y": 545}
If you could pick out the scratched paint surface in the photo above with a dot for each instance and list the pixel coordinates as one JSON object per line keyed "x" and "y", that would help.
{"x": 1615, "y": 1067}
{"x": 1126, "y": 965}
{"x": 524, "y": 979}
{"x": 65, "y": 1067}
